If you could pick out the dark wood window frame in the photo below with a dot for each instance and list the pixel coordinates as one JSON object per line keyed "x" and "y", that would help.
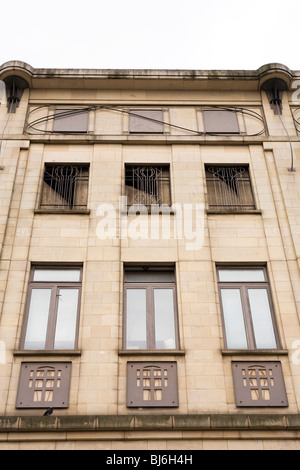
{"x": 149, "y": 287}
{"x": 55, "y": 287}
{"x": 243, "y": 287}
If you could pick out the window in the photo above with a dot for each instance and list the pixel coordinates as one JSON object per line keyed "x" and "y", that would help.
{"x": 147, "y": 184}
{"x": 150, "y": 309}
{"x": 71, "y": 120}
{"x": 247, "y": 309}
{"x": 148, "y": 121}
{"x": 229, "y": 188}
{"x": 52, "y": 311}
{"x": 44, "y": 385}
{"x": 220, "y": 121}
{"x": 152, "y": 384}
{"x": 259, "y": 384}
{"x": 65, "y": 187}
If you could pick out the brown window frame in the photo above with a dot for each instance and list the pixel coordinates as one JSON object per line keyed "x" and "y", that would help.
{"x": 243, "y": 287}
{"x": 150, "y": 313}
{"x": 55, "y": 286}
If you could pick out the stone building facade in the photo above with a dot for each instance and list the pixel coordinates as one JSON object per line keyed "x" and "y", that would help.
{"x": 150, "y": 259}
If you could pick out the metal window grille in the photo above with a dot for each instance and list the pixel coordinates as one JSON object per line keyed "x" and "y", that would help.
{"x": 44, "y": 385}
{"x": 147, "y": 185}
{"x": 152, "y": 384}
{"x": 259, "y": 384}
{"x": 229, "y": 188}
{"x": 65, "y": 187}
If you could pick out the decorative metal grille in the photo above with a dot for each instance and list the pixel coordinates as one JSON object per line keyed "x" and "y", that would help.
{"x": 65, "y": 187}
{"x": 229, "y": 188}
{"x": 42, "y": 385}
{"x": 147, "y": 185}
{"x": 259, "y": 384}
{"x": 152, "y": 384}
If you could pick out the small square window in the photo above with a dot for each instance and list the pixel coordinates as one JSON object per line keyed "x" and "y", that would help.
{"x": 152, "y": 384}
{"x": 259, "y": 384}
{"x": 43, "y": 385}
{"x": 229, "y": 188}
{"x": 65, "y": 187}
{"x": 71, "y": 120}
{"x": 147, "y": 185}
{"x": 218, "y": 121}
{"x": 148, "y": 121}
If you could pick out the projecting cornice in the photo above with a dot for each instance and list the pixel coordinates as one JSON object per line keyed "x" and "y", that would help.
{"x": 148, "y": 78}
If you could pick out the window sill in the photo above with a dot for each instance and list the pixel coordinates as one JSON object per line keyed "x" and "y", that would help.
{"x": 232, "y": 211}
{"x": 163, "y": 211}
{"x": 62, "y": 211}
{"x": 256, "y": 352}
{"x": 56, "y": 352}
{"x": 152, "y": 352}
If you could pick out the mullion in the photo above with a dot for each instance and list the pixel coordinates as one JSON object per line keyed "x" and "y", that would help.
{"x": 247, "y": 317}
{"x": 150, "y": 318}
{"x": 52, "y": 318}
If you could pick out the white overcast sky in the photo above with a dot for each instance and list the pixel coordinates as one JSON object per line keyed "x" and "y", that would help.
{"x": 156, "y": 34}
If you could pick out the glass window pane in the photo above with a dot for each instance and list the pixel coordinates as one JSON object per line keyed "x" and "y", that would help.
{"x": 37, "y": 319}
{"x": 136, "y": 333}
{"x": 233, "y": 319}
{"x": 164, "y": 319}
{"x": 149, "y": 276}
{"x": 57, "y": 275}
{"x": 66, "y": 321}
{"x": 241, "y": 275}
{"x": 262, "y": 319}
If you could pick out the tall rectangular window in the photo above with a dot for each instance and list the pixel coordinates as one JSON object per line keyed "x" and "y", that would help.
{"x": 65, "y": 187}
{"x": 248, "y": 316}
{"x": 147, "y": 184}
{"x": 150, "y": 320}
{"x": 229, "y": 188}
{"x": 52, "y": 312}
